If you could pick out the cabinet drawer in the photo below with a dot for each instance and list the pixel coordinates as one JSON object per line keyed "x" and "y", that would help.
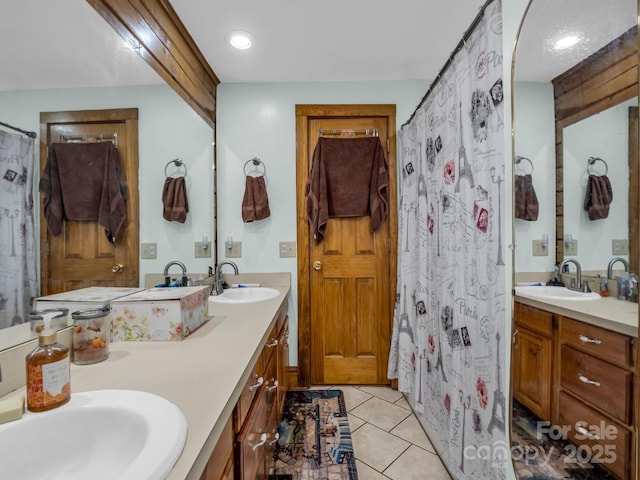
{"x": 608, "y": 443}
{"x": 600, "y": 383}
{"x": 534, "y": 319}
{"x": 252, "y": 443}
{"x": 605, "y": 344}
{"x": 250, "y": 390}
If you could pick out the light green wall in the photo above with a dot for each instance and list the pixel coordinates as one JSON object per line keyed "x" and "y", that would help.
{"x": 258, "y": 120}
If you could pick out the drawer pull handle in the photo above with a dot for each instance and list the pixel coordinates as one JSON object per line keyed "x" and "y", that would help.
{"x": 263, "y": 440}
{"x": 274, "y": 386}
{"x": 276, "y": 437}
{"x": 273, "y": 343}
{"x": 584, "y": 379}
{"x": 587, "y": 433}
{"x": 259, "y": 384}
{"x": 585, "y": 339}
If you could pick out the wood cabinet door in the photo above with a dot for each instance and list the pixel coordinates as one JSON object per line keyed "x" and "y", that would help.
{"x": 532, "y": 372}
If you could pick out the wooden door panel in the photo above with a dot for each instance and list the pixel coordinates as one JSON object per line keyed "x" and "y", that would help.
{"x": 82, "y": 256}
{"x": 350, "y": 291}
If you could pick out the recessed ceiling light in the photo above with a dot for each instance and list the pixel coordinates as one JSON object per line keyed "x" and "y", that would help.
{"x": 566, "y": 42}
{"x": 240, "y": 40}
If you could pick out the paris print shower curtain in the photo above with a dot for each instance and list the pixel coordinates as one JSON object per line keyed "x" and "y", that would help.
{"x": 447, "y": 346}
{"x": 18, "y": 275}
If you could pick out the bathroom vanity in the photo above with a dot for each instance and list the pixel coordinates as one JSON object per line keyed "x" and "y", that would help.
{"x": 574, "y": 366}
{"x": 213, "y": 376}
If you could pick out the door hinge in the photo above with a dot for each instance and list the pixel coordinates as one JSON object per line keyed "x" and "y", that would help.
{"x": 388, "y": 148}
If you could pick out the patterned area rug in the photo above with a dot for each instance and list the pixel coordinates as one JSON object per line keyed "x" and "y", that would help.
{"x": 544, "y": 458}
{"x": 315, "y": 439}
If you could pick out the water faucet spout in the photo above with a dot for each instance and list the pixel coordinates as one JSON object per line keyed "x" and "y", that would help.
{"x": 167, "y": 279}
{"x": 217, "y": 286}
{"x": 564, "y": 263}
{"x": 613, "y": 261}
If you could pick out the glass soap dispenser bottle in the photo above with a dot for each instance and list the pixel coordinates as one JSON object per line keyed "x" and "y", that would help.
{"x": 48, "y": 371}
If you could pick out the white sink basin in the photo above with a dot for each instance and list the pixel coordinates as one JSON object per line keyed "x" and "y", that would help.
{"x": 101, "y": 435}
{"x": 555, "y": 293}
{"x": 245, "y": 295}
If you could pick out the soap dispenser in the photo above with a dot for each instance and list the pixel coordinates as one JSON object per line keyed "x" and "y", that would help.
{"x": 48, "y": 371}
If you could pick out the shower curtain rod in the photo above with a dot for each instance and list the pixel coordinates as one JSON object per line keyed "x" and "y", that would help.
{"x": 26, "y": 132}
{"x": 459, "y": 47}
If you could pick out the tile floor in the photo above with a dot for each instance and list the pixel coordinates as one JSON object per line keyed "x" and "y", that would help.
{"x": 388, "y": 441}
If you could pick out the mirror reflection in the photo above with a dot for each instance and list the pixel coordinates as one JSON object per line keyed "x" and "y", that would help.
{"x": 86, "y": 66}
{"x": 574, "y": 331}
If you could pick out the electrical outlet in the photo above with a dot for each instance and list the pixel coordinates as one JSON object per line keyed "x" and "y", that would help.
{"x": 540, "y": 250}
{"x": 287, "y": 249}
{"x": 200, "y": 252}
{"x": 620, "y": 247}
{"x": 572, "y": 248}
{"x": 235, "y": 251}
{"x": 148, "y": 251}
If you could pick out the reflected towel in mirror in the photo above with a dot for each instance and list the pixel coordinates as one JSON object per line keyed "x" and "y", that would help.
{"x": 598, "y": 197}
{"x": 527, "y": 206}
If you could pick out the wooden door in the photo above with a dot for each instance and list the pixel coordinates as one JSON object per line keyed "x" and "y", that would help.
{"x": 82, "y": 256}
{"x": 350, "y": 276}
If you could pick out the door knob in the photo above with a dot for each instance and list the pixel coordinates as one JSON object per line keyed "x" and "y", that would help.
{"x": 317, "y": 265}
{"x": 117, "y": 268}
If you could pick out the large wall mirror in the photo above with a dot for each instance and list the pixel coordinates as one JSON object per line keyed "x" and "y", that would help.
{"x": 575, "y": 99}
{"x": 86, "y": 65}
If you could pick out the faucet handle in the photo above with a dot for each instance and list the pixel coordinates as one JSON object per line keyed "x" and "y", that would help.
{"x": 585, "y": 287}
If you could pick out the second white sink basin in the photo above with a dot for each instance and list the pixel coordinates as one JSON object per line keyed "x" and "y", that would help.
{"x": 555, "y": 293}
{"x": 101, "y": 435}
{"x": 245, "y": 295}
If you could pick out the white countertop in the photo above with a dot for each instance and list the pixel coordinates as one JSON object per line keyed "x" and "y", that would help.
{"x": 203, "y": 374}
{"x": 608, "y": 312}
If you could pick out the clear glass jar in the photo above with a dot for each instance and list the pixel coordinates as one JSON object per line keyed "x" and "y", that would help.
{"x": 91, "y": 334}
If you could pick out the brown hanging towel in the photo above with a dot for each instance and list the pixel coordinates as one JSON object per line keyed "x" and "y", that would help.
{"x": 174, "y": 200}
{"x": 526, "y": 199}
{"x": 84, "y": 182}
{"x": 598, "y": 197}
{"x": 255, "y": 203}
{"x": 349, "y": 178}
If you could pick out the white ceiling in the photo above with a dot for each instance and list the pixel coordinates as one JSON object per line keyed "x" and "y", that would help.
{"x": 65, "y": 43}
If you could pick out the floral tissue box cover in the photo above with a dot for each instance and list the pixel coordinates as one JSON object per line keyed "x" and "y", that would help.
{"x": 159, "y": 313}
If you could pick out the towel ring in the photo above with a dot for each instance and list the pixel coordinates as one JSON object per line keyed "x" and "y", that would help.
{"x": 256, "y": 163}
{"x": 519, "y": 159}
{"x": 179, "y": 163}
{"x": 593, "y": 160}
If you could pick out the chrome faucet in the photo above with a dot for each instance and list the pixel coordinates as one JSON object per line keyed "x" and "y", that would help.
{"x": 167, "y": 278}
{"x": 614, "y": 260}
{"x": 217, "y": 286}
{"x": 578, "y": 281}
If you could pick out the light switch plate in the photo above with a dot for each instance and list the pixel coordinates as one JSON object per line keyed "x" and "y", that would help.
{"x": 287, "y": 249}
{"x": 540, "y": 250}
{"x": 200, "y": 252}
{"x": 572, "y": 249}
{"x": 620, "y": 247}
{"x": 235, "y": 251}
{"x": 148, "y": 251}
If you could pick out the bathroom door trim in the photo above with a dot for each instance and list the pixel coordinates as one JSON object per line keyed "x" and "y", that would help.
{"x": 305, "y": 113}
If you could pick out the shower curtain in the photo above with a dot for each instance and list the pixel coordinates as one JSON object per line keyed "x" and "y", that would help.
{"x": 447, "y": 347}
{"x": 18, "y": 276}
